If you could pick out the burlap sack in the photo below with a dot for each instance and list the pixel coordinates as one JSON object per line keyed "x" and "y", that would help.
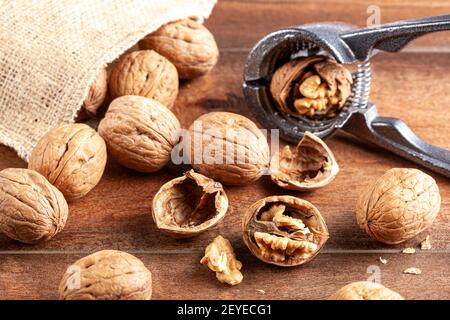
{"x": 51, "y": 50}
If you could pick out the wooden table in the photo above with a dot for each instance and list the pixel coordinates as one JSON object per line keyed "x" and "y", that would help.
{"x": 413, "y": 85}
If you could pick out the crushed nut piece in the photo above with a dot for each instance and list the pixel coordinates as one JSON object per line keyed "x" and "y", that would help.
{"x": 412, "y": 270}
{"x": 409, "y": 250}
{"x": 220, "y": 257}
{"x": 426, "y": 244}
{"x": 383, "y": 261}
{"x": 261, "y": 291}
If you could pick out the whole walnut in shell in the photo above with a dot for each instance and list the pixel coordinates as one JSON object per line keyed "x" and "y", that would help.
{"x": 311, "y": 86}
{"x": 72, "y": 157}
{"x": 139, "y": 132}
{"x": 398, "y": 205}
{"x": 284, "y": 230}
{"x": 145, "y": 73}
{"x": 31, "y": 209}
{"x": 311, "y": 165}
{"x": 107, "y": 275}
{"x": 187, "y": 44}
{"x": 365, "y": 290}
{"x": 97, "y": 93}
{"x": 189, "y": 205}
{"x": 227, "y": 147}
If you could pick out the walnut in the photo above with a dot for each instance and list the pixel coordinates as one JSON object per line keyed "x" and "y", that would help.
{"x": 107, "y": 275}
{"x": 365, "y": 290}
{"x": 187, "y": 44}
{"x": 311, "y": 86}
{"x": 189, "y": 205}
{"x": 284, "y": 230}
{"x": 398, "y": 206}
{"x": 145, "y": 73}
{"x": 31, "y": 209}
{"x": 220, "y": 257}
{"x": 72, "y": 157}
{"x": 309, "y": 166}
{"x": 227, "y": 147}
{"x": 139, "y": 132}
{"x": 97, "y": 94}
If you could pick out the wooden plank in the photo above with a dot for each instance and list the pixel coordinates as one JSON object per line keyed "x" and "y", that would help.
{"x": 180, "y": 276}
{"x": 240, "y": 24}
{"x": 116, "y": 214}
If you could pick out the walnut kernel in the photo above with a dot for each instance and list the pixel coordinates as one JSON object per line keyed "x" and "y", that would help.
{"x": 220, "y": 257}
{"x": 365, "y": 290}
{"x": 284, "y": 230}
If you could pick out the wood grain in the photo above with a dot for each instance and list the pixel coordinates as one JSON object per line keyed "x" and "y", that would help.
{"x": 413, "y": 86}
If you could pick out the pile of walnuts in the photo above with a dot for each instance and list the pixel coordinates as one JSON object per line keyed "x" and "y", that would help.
{"x": 140, "y": 132}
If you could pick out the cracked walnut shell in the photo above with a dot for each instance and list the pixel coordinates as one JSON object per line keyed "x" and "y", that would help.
{"x": 139, "y": 132}
{"x": 365, "y": 290}
{"x": 72, "y": 157}
{"x": 227, "y": 147}
{"x": 107, "y": 275}
{"x": 187, "y": 44}
{"x": 311, "y": 86}
{"x": 220, "y": 257}
{"x": 284, "y": 230}
{"x": 398, "y": 206}
{"x": 189, "y": 205}
{"x": 145, "y": 73}
{"x": 311, "y": 165}
{"x": 31, "y": 209}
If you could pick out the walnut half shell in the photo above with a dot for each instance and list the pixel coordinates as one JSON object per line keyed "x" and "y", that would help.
{"x": 311, "y": 86}
{"x": 309, "y": 166}
{"x": 284, "y": 230}
{"x": 189, "y": 205}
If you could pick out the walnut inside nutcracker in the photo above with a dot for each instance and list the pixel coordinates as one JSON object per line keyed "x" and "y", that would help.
{"x": 284, "y": 230}
{"x": 308, "y": 166}
{"x": 311, "y": 86}
{"x": 189, "y": 205}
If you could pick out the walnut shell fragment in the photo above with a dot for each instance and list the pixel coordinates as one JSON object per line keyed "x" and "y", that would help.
{"x": 145, "y": 73}
{"x": 97, "y": 93}
{"x": 189, "y": 205}
{"x": 107, "y": 275}
{"x": 227, "y": 147}
{"x": 140, "y": 133}
{"x": 311, "y": 165}
{"x": 72, "y": 157}
{"x": 311, "y": 86}
{"x": 398, "y": 206}
{"x": 187, "y": 44}
{"x": 284, "y": 230}
{"x": 31, "y": 209}
{"x": 220, "y": 257}
{"x": 365, "y": 290}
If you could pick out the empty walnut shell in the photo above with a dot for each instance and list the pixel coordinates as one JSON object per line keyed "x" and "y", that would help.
{"x": 139, "y": 132}
{"x": 107, "y": 275}
{"x": 72, "y": 157}
{"x": 309, "y": 166}
{"x": 31, "y": 209}
{"x": 365, "y": 290}
{"x": 187, "y": 44}
{"x": 311, "y": 86}
{"x": 189, "y": 205}
{"x": 284, "y": 230}
{"x": 145, "y": 73}
{"x": 398, "y": 206}
{"x": 97, "y": 94}
{"x": 227, "y": 147}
